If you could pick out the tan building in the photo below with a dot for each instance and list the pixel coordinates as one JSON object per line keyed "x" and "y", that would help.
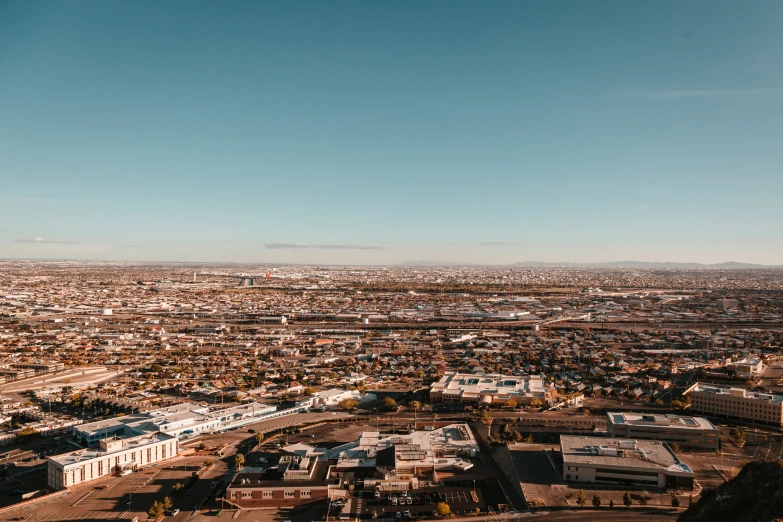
{"x": 737, "y": 403}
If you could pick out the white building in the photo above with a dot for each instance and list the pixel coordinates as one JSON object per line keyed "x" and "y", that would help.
{"x": 688, "y": 432}
{"x": 621, "y": 461}
{"x": 746, "y": 367}
{"x": 486, "y": 388}
{"x": 112, "y": 455}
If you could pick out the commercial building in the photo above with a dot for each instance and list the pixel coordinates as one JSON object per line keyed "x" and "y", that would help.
{"x": 485, "y": 388}
{"x": 624, "y": 462}
{"x": 688, "y": 432}
{"x": 39, "y": 366}
{"x": 180, "y": 420}
{"x": 746, "y": 367}
{"x": 112, "y": 455}
{"x": 737, "y": 403}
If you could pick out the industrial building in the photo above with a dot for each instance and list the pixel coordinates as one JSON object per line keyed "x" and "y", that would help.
{"x": 624, "y": 462}
{"x": 112, "y": 455}
{"x": 688, "y": 432}
{"x": 737, "y": 403}
{"x": 485, "y": 388}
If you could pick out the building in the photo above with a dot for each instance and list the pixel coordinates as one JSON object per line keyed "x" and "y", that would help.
{"x": 181, "y": 420}
{"x": 15, "y": 374}
{"x": 39, "y": 366}
{"x": 485, "y": 388}
{"x": 112, "y": 455}
{"x": 737, "y": 403}
{"x": 623, "y": 462}
{"x": 688, "y": 432}
{"x": 296, "y": 481}
{"x": 746, "y": 367}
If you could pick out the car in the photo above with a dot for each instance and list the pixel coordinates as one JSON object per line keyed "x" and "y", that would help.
{"x": 394, "y": 501}
{"x": 213, "y": 485}
{"x": 251, "y": 430}
{"x": 406, "y": 513}
{"x": 17, "y": 492}
{"x": 377, "y": 494}
{"x": 174, "y": 512}
{"x": 398, "y": 515}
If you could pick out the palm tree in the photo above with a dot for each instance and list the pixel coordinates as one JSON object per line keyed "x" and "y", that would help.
{"x": 259, "y": 438}
{"x": 415, "y": 406}
{"x": 239, "y": 459}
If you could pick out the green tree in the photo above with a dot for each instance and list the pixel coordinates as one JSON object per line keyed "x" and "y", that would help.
{"x": 166, "y": 503}
{"x": 611, "y": 504}
{"x": 202, "y": 447}
{"x": 415, "y": 406}
{"x": 596, "y": 501}
{"x": 239, "y": 460}
{"x": 389, "y": 404}
{"x": 675, "y": 500}
{"x": 581, "y": 498}
{"x": 675, "y": 447}
{"x": 209, "y": 463}
{"x": 536, "y": 403}
{"x": 156, "y": 511}
{"x": 627, "y": 500}
{"x": 443, "y": 509}
{"x": 529, "y": 439}
{"x": 308, "y": 391}
{"x": 178, "y": 488}
{"x": 643, "y": 500}
{"x": 259, "y": 437}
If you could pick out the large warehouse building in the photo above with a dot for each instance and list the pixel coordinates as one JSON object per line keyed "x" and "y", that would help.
{"x": 619, "y": 461}
{"x": 737, "y": 403}
{"x": 486, "y": 388}
{"x": 112, "y": 455}
{"x": 688, "y": 432}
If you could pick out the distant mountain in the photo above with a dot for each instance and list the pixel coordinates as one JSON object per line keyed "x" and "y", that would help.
{"x": 432, "y": 263}
{"x": 648, "y": 264}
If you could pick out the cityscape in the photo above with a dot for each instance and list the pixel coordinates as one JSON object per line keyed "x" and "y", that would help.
{"x": 136, "y": 391}
{"x": 393, "y": 261}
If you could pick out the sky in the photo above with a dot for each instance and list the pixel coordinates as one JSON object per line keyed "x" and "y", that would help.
{"x": 375, "y": 132}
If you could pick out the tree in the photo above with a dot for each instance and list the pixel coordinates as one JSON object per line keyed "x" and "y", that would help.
{"x": 585, "y": 411}
{"x": 511, "y": 404}
{"x": 690, "y": 500}
{"x": 643, "y": 500}
{"x": 596, "y": 501}
{"x": 415, "y": 406}
{"x": 529, "y": 439}
{"x": 202, "y": 447}
{"x": 536, "y": 403}
{"x": 675, "y": 500}
{"x": 239, "y": 459}
{"x": 611, "y": 504}
{"x": 389, "y": 404}
{"x": 308, "y": 391}
{"x": 348, "y": 404}
{"x": 259, "y": 437}
{"x": 435, "y": 417}
{"x": 627, "y": 500}
{"x": 443, "y": 509}
{"x": 177, "y": 488}
{"x": 581, "y": 498}
{"x": 738, "y": 435}
{"x": 209, "y": 463}
{"x": 166, "y": 503}
{"x": 675, "y": 447}
{"x": 156, "y": 511}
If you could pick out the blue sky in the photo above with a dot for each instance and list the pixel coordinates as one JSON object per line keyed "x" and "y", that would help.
{"x": 379, "y": 132}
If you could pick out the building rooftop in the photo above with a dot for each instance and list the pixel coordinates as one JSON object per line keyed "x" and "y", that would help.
{"x": 736, "y": 392}
{"x": 620, "y": 453}
{"x": 643, "y": 419}
{"x": 110, "y": 446}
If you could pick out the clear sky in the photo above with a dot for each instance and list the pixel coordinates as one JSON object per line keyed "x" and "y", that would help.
{"x": 379, "y": 132}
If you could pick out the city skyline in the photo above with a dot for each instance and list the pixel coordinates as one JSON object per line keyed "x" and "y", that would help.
{"x": 356, "y": 133}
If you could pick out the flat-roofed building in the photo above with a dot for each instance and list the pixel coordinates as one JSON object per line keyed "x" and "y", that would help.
{"x": 486, "y": 388}
{"x": 624, "y": 462}
{"x": 688, "y": 432}
{"x": 737, "y": 403}
{"x": 112, "y": 455}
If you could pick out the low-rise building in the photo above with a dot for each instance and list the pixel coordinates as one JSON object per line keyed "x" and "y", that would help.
{"x": 688, "y": 432}
{"x": 737, "y": 403}
{"x": 621, "y": 461}
{"x": 112, "y": 455}
{"x": 486, "y": 388}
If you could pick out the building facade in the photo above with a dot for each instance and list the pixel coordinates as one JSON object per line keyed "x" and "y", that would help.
{"x": 737, "y": 403}
{"x": 688, "y": 432}
{"x": 112, "y": 455}
{"x": 649, "y": 464}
